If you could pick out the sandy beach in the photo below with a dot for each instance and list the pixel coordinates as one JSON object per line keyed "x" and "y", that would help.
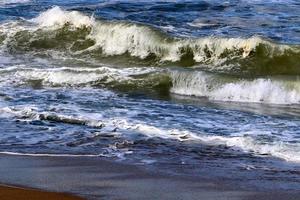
{"x": 17, "y": 193}
{"x": 96, "y": 178}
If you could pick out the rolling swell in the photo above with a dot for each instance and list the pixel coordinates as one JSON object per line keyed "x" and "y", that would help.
{"x": 84, "y": 36}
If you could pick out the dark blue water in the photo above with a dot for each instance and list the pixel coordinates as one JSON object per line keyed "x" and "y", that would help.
{"x": 207, "y": 88}
{"x": 274, "y": 19}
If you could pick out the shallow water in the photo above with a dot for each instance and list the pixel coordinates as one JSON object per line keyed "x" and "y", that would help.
{"x": 175, "y": 86}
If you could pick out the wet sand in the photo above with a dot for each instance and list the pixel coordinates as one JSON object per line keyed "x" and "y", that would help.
{"x": 17, "y": 193}
{"x": 96, "y": 178}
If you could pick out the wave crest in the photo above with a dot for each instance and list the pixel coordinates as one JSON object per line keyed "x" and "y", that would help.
{"x": 56, "y": 17}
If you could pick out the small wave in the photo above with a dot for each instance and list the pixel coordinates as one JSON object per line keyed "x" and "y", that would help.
{"x": 282, "y": 150}
{"x": 242, "y": 142}
{"x": 83, "y": 76}
{"x": 214, "y": 87}
{"x": 80, "y": 34}
{"x": 285, "y": 151}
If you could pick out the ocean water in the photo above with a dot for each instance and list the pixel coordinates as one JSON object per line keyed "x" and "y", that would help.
{"x": 207, "y": 88}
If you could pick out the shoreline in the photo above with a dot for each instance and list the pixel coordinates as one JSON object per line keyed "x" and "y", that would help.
{"x": 97, "y": 178}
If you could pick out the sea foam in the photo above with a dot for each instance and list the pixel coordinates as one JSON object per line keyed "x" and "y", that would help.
{"x": 245, "y": 142}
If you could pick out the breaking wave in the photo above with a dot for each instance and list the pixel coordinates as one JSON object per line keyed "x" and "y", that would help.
{"x": 78, "y": 34}
{"x": 119, "y": 79}
{"x": 221, "y": 88}
{"x": 274, "y": 90}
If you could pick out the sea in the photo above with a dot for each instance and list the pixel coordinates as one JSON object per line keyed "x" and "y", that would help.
{"x": 199, "y": 88}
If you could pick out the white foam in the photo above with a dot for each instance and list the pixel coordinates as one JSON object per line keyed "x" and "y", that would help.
{"x": 57, "y": 17}
{"x": 258, "y": 90}
{"x": 282, "y": 150}
{"x": 201, "y": 23}
{"x": 247, "y": 141}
